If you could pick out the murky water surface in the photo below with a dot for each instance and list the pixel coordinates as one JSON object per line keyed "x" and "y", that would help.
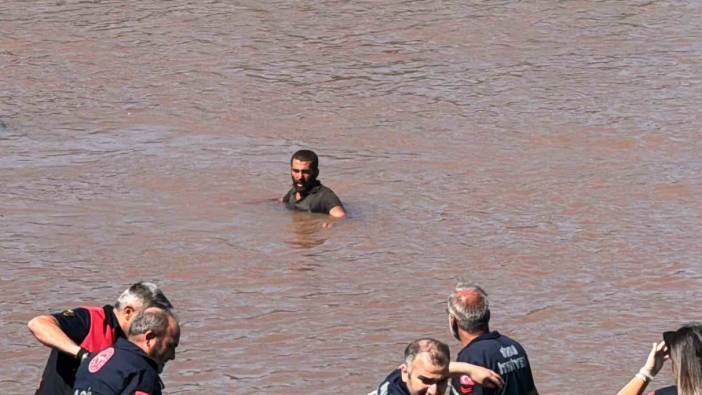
{"x": 549, "y": 151}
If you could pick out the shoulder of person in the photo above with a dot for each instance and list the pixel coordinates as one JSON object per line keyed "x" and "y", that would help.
{"x": 392, "y": 385}
{"x": 74, "y": 322}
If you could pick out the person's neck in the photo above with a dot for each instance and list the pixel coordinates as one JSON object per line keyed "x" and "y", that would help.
{"x": 139, "y": 341}
{"x": 467, "y": 337}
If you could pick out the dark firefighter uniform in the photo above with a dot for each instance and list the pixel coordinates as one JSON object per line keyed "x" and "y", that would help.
{"x": 123, "y": 369}
{"x": 502, "y": 355}
{"x": 93, "y": 328}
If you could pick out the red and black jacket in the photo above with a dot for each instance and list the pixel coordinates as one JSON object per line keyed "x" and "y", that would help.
{"x": 93, "y": 328}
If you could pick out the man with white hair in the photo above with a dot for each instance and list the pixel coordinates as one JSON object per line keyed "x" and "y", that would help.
{"x": 74, "y": 333}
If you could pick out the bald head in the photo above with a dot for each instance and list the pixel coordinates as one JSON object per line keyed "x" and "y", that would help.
{"x": 426, "y": 367}
{"x": 437, "y": 351}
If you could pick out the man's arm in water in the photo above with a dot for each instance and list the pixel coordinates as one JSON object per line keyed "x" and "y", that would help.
{"x": 337, "y": 212}
{"x": 47, "y": 330}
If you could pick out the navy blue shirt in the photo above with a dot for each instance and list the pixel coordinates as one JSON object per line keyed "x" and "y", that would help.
{"x": 60, "y": 371}
{"x": 393, "y": 385}
{"x": 319, "y": 199}
{"x": 121, "y": 369}
{"x": 671, "y": 390}
{"x": 501, "y": 354}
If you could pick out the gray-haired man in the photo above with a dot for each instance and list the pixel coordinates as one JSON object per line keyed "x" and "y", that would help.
{"x": 132, "y": 365}
{"x": 74, "y": 333}
{"x": 469, "y": 318}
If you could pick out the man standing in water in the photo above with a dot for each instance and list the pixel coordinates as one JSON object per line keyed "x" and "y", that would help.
{"x": 307, "y": 193}
{"x": 74, "y": 333}
{"x": 469, "y": 315}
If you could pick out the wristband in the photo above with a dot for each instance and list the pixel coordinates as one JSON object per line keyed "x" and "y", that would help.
{"x": 645, "y": 375}
{"x": 82, "y": 354}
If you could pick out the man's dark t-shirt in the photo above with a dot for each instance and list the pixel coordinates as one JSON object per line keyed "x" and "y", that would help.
{"x": 60, "y": 371}
{"x": 121, "y": 369}
{"x": 319, "y": 199}
{"x": 500, "y": 354}
{"x": 393, "y": 385}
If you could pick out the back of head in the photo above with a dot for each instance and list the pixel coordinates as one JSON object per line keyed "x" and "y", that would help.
{"x": 438, "y": 352}
{"x": 142, "y": 295}
{"x": 685, "y": 348}
{"x": 469, "y": 304}
{"x": 305, "y": 155}
{"x": 152, "y": 319}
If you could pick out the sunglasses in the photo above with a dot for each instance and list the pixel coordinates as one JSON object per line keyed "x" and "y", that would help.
{"x": 670, "y": 337}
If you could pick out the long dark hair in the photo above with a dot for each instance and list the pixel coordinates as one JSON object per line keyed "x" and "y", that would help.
{"x": 685, "y": 348}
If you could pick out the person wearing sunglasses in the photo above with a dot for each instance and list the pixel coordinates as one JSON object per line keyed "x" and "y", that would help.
{"x": 683, "y": 348}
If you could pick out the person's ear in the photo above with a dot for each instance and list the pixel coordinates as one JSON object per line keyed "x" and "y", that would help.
{"x": 453, "y": 327}
{"x": 150, "y": 338}
{"x": 452, "y": 322}
{"x": 404, "y": 372}
{"x": 129, "y": 313}
{"x": 128, "y": 310}
{"x": 316, "y": 172}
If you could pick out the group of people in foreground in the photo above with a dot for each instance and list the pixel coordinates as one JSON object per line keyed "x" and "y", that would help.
{"x": 491, "y": 363}
{"x": 488, "y": 363}
{"x": 109, "y": 350}
{"x": 122, "y": 349}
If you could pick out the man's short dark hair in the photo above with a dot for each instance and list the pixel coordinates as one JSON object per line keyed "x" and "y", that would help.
{"x": 439, "y": 352}
{"x": 469, "y": 304}
{"x": 305, "y": 155}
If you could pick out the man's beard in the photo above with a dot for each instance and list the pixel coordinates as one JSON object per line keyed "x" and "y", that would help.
{"x": 305, "y": 187}
{"x": 157, "y": 356}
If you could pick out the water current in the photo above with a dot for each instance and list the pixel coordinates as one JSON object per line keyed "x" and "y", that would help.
{"x": 547, "y": 150}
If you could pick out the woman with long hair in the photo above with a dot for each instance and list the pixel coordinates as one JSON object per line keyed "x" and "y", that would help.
{"x": 684, "y": 349}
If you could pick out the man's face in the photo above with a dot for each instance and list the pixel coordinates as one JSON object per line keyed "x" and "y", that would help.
{"x": 302, "y": 174}
{"x": 164, "y": 349}
{"x": 423, "y": 377}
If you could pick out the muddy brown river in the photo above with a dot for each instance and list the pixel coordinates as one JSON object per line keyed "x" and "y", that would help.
{"x": 550, "y": 151}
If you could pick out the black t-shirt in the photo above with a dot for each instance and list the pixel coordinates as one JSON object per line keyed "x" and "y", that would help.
{"x": 60, "y": 371}
{"x": 670, "y": 390}
{"x": 393, "y": 385}
{"x": 319, "y": 199}
{"x": 121, "y": 369}
{"x": 501, "y": 354}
